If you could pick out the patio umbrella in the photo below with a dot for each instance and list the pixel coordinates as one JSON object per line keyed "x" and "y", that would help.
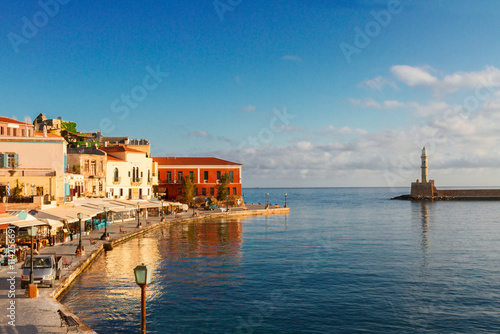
{"x": 8, "y": 189}
{"x": 25, "y": 192}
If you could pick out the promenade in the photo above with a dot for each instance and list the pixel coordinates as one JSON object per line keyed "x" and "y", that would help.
{"x": 39, "y": 315}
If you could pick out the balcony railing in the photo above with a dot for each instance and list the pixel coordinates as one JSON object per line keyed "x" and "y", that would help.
{"x": 136, "y": 180}
{"x": 117, "y": 180}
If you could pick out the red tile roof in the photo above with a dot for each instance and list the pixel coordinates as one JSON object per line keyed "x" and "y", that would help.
{"x": 201, "y": 161}
{"x": 40, "y": 134}
{"x": 110, "y": 158}
{"x": 112, "y": 149}
{"x": 11, "y": 120}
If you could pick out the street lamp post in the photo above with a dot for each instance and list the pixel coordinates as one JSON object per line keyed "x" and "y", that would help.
{"x": 267, "y": 200}
{"x": 143, "y": 278}
{"x": 106, "y": 209}
{"x": 79, "y": 249}
{"x": 138, "y": 211}
{"x": 32, "y": 232}
{"x": 285, "y": 199}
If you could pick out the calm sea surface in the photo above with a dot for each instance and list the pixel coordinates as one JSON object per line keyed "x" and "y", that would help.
{"x": 346, "y": 260}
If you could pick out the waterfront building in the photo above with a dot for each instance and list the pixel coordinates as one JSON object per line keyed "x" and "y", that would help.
{"x": 89, "y": 162}
{"x": 207, "y": 172}
{"x": 35, "y": 160}
{"x": 131, "y": 173}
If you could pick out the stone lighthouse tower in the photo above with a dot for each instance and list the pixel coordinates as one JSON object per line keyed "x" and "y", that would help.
{"x": 423, "y": 187}
{"x": 424, "y": 166}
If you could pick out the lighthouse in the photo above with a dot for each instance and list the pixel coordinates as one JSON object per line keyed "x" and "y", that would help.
{"x": 424, "y": 166}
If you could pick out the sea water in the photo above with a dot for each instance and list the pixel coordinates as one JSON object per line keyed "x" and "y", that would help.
{"x": 345, "y": 260}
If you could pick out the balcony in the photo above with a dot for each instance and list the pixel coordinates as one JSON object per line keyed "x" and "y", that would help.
{"x": 117, "y": 180}
{"x": 136, "y": 181}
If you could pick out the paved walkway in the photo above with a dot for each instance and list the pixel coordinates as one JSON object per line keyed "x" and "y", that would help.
{"x": 39, "y": 315}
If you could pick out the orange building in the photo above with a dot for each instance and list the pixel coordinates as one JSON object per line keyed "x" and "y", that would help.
{"x": 207, "y": 173}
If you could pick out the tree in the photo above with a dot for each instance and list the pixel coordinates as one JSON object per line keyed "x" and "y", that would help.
{"x": 187, "y": 190}
{"x": 222, "y": 187}
{"x": 16, "y": 193}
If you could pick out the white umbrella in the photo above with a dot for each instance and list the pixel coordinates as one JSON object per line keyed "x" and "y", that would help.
{"x": 25, "y": 192}
{"x": 8, "y": 189}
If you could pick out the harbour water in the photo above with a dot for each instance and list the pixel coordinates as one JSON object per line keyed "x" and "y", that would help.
{"x": 345, "y": 260}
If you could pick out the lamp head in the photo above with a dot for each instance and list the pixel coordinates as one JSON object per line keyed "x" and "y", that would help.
{"x": 32, "y": 230}
{"x": 143, "y": 274}
{"x": 106, "y": 209}
{"x": 79, "y": 215}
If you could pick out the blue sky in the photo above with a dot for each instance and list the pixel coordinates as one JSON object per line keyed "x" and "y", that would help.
{"x": 317, "y": 93}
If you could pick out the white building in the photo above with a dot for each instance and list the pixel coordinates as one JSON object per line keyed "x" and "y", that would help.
{"x": 130, "y": 173}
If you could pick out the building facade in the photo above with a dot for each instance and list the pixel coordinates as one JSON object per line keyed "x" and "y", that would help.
{"x": 131, "y": 174}
{"x": 35, "y": 160}
{"x": 90, "y": 162}
{"x": 207, "y": 172}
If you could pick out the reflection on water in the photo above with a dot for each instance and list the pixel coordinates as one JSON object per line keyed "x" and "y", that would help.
{"x": 210, "y": 254}
{"x": 344, "y": 261}
{"x": 421, "y": 217}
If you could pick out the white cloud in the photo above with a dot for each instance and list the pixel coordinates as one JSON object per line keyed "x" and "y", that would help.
{"x": 292, "y": 58}
{"x": 199, "y": 133}
{"x": 248, "y": 108}
{"x": 456, "y": 143}
{"x": 414, "y": 76}
{"x": 421, "y": 77}
{"x": 378, "y": 83}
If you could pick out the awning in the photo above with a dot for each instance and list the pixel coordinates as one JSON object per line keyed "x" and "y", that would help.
{"x": 53, "y": 223}
{"x": 66, "y": 213}
{"x": 28, "y": 223}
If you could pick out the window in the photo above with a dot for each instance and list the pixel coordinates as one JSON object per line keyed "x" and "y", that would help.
{"x": 218, "y": 175}
{"x": 115, "y": 175}
{"x": 87, "y": 166}
{"x": 212, "y": 191}
{"x": 234, "y": 191}
{"x": 179, "y": 176}
{"x": 101, "y": 166}
{"x": 100, "y": 187}
{"x": 93, "y": 189}
{"x": 11, "y": 160}
{"x": 205, "y": 175}
{"x": 149, "y": 175}
{"x": 92, "y": 167}
{"x": 191, "y": 174}
{"x": 121, "y": 192}
{"x": 169, "y": 177}
{"x": 128, "y": 173}
{"x": 196, "y": 191}
{"x": 111, "y": 192}
{"x": 204, "y": 191}
{"x": 231, "y": 174}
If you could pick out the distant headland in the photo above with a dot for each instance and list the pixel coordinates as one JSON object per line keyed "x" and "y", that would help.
{"x": 424, "y": 189}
